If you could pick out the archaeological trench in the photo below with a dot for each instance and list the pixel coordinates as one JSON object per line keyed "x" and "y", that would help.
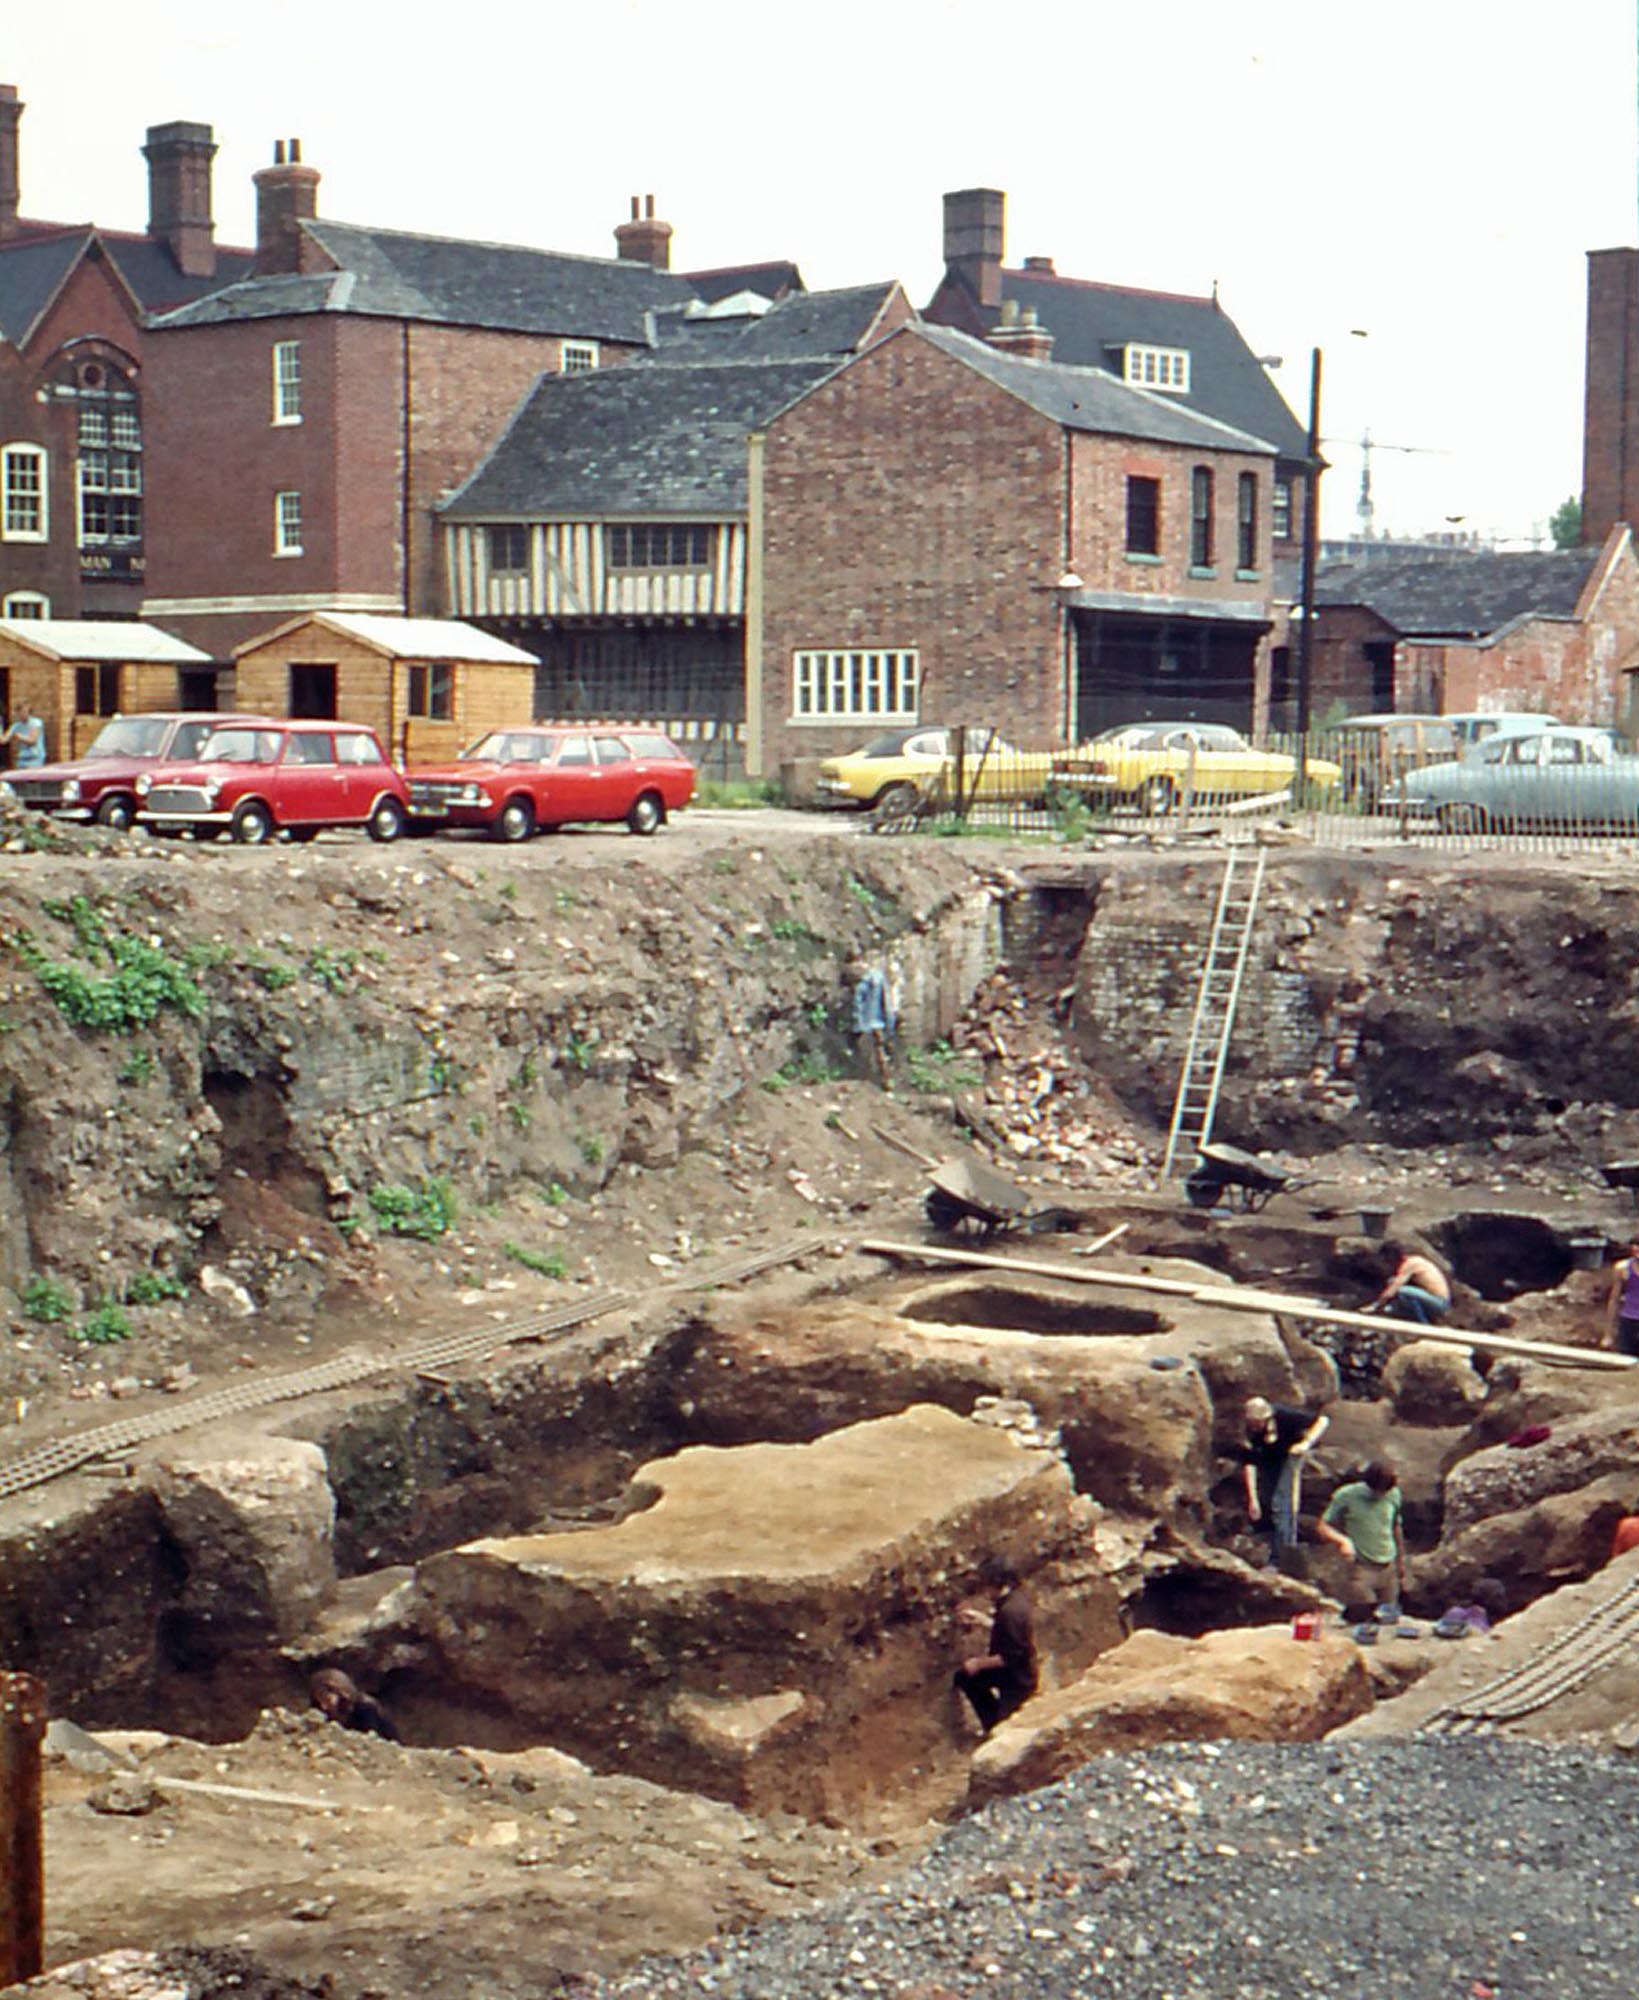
{"x": 695, "y": 1488}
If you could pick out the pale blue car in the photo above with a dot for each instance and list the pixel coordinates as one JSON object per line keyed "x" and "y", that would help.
{"x": 1560, "y": 778}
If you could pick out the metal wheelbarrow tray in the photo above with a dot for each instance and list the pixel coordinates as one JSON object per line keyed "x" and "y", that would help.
{"x": 1227, "y": 1173}
{"x": 967, "y": 1197}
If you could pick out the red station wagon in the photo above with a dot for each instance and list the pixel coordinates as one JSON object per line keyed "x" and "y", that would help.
{"x": 102, "y": 785}
{"x": 515, "y": 782}
{"x": 254, "y": 780}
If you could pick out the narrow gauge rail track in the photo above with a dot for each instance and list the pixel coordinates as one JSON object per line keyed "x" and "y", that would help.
{"x": 1560, "y": 1667}
{"x": 64, "y": 1455}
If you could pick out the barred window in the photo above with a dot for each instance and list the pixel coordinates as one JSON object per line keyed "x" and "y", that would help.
{"x": 661, "y": 545}
{"x": 856, "y": 686}
{"x": 580, "y": 357}
{"x": 1280, "y": 510}
{"x": 1157, "y": 367}
{"x": 110, "y": 462}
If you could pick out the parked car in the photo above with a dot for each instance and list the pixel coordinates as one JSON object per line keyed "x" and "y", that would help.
{"x": 1475, "y": 726}
{"x": 515, "y": 782}
{"x": 102, "y": 785}
{"x": 1547, "y": 777}
{"x": 895, "y": 767}
{"x": 1152, "y": 765}
{"x": 1376, "y": 751}
{"x": 256, "y": 779}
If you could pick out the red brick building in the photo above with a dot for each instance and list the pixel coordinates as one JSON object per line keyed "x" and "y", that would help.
{"x": 1550, "y": 631}
{"x": 73, "y": 432}
{"x": 1610, "y": 411}
{"x": 945, "y": 532}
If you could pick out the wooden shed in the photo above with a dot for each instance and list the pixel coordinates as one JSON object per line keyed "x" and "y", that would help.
{"x": 426, "y": 686}
{"x": 75, "y": 673}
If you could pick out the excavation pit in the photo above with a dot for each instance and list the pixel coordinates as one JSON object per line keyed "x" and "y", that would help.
{"x": 1029, "y": 1309}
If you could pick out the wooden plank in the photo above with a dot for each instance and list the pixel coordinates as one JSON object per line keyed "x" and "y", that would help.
{"x": 1241, "y": 1298}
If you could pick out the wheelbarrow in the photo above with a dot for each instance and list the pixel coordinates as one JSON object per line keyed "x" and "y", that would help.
{"x": 1226, "y": 1175}
{"x": 967, "y": 1198}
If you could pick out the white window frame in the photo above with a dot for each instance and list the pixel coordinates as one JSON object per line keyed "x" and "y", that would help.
{"x": 1165, "y": 368}
{"x": 36, "y": 503}
{"x": 578, "y": 357}
{"x": 287, "y": 381}
{"x": 856, "y": 684}
{"x": 25, "y": 604}
{"x": 287, "y": 524}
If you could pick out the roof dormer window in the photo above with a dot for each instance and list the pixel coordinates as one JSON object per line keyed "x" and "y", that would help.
{"x": 1156, "y": 367}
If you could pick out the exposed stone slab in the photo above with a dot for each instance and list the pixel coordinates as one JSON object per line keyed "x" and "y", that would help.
{"x": 670, "y": 1644}
{"x": 1432, "y": 1384}
{"x": 1579, "y": 1451}
{"x": 1259, "y": 1685}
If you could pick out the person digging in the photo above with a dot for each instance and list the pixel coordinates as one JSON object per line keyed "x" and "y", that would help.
{"x": 1277, "y": 1441}
{"x": 1001, "y": 1679}
{"x": 1363, "y": 1522}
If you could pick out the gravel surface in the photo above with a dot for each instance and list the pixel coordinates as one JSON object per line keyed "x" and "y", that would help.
{"x": 1392, "y": 1871}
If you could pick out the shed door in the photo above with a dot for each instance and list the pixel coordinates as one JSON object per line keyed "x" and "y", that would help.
{"x": 312, "y": 692}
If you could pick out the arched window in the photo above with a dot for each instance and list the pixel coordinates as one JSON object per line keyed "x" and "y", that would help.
{"x": 110, "y": 458}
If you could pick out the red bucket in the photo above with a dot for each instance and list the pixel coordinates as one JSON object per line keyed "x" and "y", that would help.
{"x": 1306, "y": 1625}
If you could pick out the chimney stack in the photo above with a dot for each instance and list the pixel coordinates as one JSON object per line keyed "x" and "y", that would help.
{"x": 179, "y": 159}
{"x": 11, "y": 185}
{"x": 643, "y": 240}
{"x": 1041, "y": 267}
{"x": 287, "y": 195}
{"x": 1021, "y": 334}
{"x": 973, "y": 241}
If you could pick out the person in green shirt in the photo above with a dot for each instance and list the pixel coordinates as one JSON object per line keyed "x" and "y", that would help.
{"x": 1362, "y": 1522}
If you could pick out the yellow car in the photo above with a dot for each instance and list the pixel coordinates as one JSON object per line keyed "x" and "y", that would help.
{"x": 1152, "y": 765}
{"x": 902, "y": 764}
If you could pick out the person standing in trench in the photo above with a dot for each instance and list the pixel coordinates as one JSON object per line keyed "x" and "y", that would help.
{"x": 1278, "y": 1439}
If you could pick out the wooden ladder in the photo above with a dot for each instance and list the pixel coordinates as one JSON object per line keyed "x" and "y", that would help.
{"x": 1222, "y": 973}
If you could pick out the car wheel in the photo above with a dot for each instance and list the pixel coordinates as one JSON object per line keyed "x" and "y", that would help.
{"x": 116, "y": 811}
{"x": 894, "y": 800}
{"x": 252, "y": 825}
{"x": 646, "y": 815}
{"x": 515, "y": 821}
{"x": 387, "y": 821}
{"x": 1157, "y": 795}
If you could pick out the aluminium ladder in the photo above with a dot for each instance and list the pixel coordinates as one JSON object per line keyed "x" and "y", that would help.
{"x": 1216, "y": 999}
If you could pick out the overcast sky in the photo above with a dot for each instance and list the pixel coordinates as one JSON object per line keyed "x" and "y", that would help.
{"x": 1432, "y": 171}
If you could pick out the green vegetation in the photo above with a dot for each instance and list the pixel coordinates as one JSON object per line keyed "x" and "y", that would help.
{"x": 736, "y": 794}
{"x": 819, "y": 1015}
{"x": 508, "y": 891}
{"x": 545, "y": 1263}
{"x": 424, "y": 1211}
{"x": 333, "y": 969}
{"x": 439, "y": 1072}
{"x": 790, "y": 930}
{"x": 577, "y": 1049}
{"x": 555, "y": 1195}
{"x": 114, "y": 981}
{"x": 725, "y": 864}
{"x": 148, "y": 1288}
{"x": 1565, "y": 524}
{"x": 44, "y": 1299}
{"x": 1071, "y": 814}
{"x": 939, "y": 1067}
{"x": 104, "y": 1326}
{"x": 565, "y": 900}
{"x": 521, "y": 1116}
{"x": 276, "y": 977}
{"x": 591, "y": 1149}
{"x": 138, "y": 1067}
{"x": 811, "y": 1067}
{"x": 528, "y": 1070}
{"x": 862, "y": 892}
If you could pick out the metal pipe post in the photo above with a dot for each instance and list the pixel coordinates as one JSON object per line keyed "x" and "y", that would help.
{"x": 1306, "y": 581}
{"x": 22, "y": 1857}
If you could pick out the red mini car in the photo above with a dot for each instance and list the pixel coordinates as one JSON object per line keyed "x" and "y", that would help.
{"x": 102, "y": 785}
{"x": 256, "y": 779}
{"x": 515, "y": 782}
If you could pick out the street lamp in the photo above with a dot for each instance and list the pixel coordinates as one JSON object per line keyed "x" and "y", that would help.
{"x": 1308, "y": 564}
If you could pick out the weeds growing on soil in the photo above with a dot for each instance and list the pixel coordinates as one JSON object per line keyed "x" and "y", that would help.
{"x": 425, "y": 1211}
{"x": 939, "y": 1067}
{"x": 544, "y": 1263}
{"x": 141, "y": 981}
{"x": 44, "y": 1299}
{"x": 149, "y": 1288}
{"x": 138, "y": 1067}
{"x": 104, "y": 1326}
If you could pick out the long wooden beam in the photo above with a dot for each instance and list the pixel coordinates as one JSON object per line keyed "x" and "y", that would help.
{"x": 1245, "y": 1298}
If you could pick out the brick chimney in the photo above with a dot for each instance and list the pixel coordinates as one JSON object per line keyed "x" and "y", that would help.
{"x": 287, "y": 195}
{"x": 179, "y": 159}
{"x": 973, "y": 241}
{"x": 643, "y": 240}
{"x": 1040, "y": 267}
{"x": 1021, "y": 334}
{"x": 11, "y": 184}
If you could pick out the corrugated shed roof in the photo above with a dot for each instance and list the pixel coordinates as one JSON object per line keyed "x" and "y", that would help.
{"x": 397, "y": 275}
{"x": 103, "y": 639}
{"x": 1090, "y": 399}
{"x": 651, "y": 438}
{"x": 1464, "y": 594}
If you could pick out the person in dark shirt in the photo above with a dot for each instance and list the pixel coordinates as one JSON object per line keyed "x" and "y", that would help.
{"x": 1278, "y": 1439}
{"x": 339, "y": 1698}
{"x": 1003, "y": 1677}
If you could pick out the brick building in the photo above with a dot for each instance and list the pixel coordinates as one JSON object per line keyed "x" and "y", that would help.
{"x": 947, "y": 532}
{"x": 1555, "y": 631}
{"x": 607, "y": 530}
{"x": 1610, "y": 410}
{"x": 73, "y": 430}
{"x": 1182, "y": 347}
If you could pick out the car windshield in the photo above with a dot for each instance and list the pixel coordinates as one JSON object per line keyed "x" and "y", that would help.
{"x": 241, "y": 746}
{"x": 131, "y": 736}
{"x": 510, "y": 746}
{"x": 889, "y": 745}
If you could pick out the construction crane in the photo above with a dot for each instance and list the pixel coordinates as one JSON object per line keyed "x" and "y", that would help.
{"x": 1364, "y": 511}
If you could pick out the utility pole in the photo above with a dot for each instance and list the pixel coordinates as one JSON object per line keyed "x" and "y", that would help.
{"x": 22, "y": 1853}
{"x": 1306, "y": 576}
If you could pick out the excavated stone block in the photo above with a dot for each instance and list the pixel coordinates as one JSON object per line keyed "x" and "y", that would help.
{"x": 780, "y": 1627}
{"x": 1574, "y": 1455}
{"x": 1258, "y": 1685}
{"x": 1432, "y": 1384}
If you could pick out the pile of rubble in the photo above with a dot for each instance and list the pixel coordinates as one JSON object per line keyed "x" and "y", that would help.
{"x": 1041, "y": 1102}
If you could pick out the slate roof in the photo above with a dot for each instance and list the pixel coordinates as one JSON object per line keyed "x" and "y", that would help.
{"x": 102, "y": 639}
{"x": 393, "y": 274}
{"x": 34, "y": 266}
{"x": 1091, "y": 322}
{"x": 1091, "y": 399}
{"x": 771, "y": 280}
{"x": 1463, "y": 595}
{"x": 650, "y": 438}
{"x": 796, "y": 328}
